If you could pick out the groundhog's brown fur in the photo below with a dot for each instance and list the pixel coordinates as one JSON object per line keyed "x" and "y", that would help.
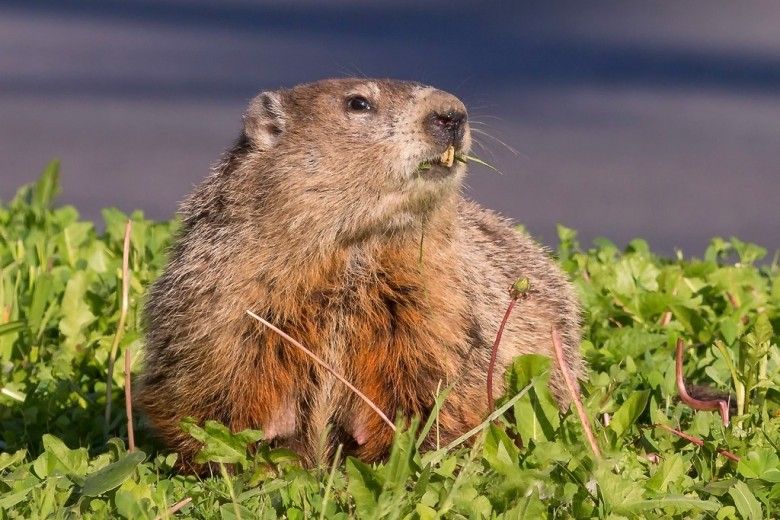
{"x": 314, "y": 221}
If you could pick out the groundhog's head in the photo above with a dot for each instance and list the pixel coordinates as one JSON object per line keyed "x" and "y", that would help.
{"x": 354, "y": 157}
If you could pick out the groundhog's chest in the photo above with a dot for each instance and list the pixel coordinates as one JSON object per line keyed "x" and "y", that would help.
{"x": 397, "y": 341}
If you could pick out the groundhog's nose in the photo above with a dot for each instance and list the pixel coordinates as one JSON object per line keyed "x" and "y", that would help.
{"x": 446, "y": 123}
{"x": 447, "y": 127}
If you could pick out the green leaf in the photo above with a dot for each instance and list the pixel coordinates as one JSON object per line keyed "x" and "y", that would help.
{"x": 536, "y": 413}
{"x": 616, "y": 490}
{"x": 398, "y": 468}
{"x": 433, "y": 416}
{"x": 500, "y": 451}
{"x": 524, "y": 369}
{"x": 529, "y": 506}
{"x": 112, "y": 476}
{"x": 58, "y": 459}
{"x": 669, "y": 502}
{"x": 629, "y": 412}
{"x": 12, "y": 326}
{"x": 47, "y": 187}
{"x": 134, "y": 501}
{"x": 240, "y": 512}
{"x": 71, "y": 239}
{"x": 364, "y": 486}
{"x": 671, "y": 470}
{"x": 40, "y": 299}
{"x": 16, "y": 395}
{"x": 10, "y": 459}
{"x": 762, "y": 463}
{"x": 729, "y": 328}
{"x": 76, "y": 314}
{"x": 9, "y": 500}
{"x": 747, "y": 504}
{"x": 219, "y": 444}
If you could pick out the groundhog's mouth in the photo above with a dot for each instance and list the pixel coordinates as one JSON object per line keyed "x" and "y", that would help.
{"x": 442, "y": 163}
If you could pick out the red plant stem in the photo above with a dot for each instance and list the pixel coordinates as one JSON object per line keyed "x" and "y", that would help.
{"x": 697, "y": 441}
{"x": 129, "y": 400}
{"x": 324, "y": 365}
{"x": 494, "y": 352}
{"x": 575, "y": 397}
{"x": 697, "y": 404}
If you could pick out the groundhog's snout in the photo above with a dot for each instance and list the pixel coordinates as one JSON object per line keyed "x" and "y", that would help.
{"x": 446, "y": 121}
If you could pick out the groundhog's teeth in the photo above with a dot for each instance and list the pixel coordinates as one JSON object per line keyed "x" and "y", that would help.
{"x": 447, "y": 158}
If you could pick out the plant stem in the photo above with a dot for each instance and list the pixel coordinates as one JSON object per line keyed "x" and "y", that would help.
{"x": 129, "y": 399}
{"x": 685, "y": 397}
{"x": 697, "y": 441}
{"x": 575, "y": 397}
{"x": 120, "y": 328}
{"x": 494, "y": 352}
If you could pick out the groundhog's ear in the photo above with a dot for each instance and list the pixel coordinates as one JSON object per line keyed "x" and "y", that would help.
{"x": 265, "y": 119}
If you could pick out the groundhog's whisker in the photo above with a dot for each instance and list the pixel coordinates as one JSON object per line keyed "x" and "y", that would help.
{"x": 499, "y": 141}
{"x": 324, "y": 365}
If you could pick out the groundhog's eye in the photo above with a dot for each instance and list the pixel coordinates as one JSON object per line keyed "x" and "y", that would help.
{"x": 358, "y": 104}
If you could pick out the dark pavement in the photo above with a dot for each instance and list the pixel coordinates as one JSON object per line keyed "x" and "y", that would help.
{"x": 628, "y": 119}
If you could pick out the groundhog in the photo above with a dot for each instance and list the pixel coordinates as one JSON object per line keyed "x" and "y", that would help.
{"x": 338, "y": 217}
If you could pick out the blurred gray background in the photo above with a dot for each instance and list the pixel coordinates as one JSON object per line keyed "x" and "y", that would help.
{"x": 659, "y": 120}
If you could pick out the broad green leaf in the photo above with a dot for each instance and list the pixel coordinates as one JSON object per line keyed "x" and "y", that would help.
{"x": 747, "y": 504}
{"x": 500, "y": 451}
{"x": 59, "y": 459}
{"x": 397, "y": 470}
{"x": 239, "y": 512}
{"x": 364, "y": 486}
{"x": 536, "y": 413}
{"x": 219, "y": 444}
{"x": 12, "y": 326}
{"x": 40, "y": 299}
{"x": 10, "y": 459}
{"x": 112, "y": 476}
{"x": 762, "y": 463}
{"x": 617, "y": 490}
{"x": 47, "y": 187}
{"x": 670, "y": 502}
{"x": 134, "y": 501}
{"x": 9, "y": 500}
{"x": 524, "y": 369}
{"x": 76, "y": 314}
{"x": 671, "y": 470}
{"x": 16, "y": 395}
{"x": 629, "y": 412}
{"x": 71, "y": 239}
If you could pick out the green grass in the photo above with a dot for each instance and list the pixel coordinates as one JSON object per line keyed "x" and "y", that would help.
{"x": 60, "y": 287}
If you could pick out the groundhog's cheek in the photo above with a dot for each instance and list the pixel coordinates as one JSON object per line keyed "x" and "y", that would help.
{"x": 312, "y": 161}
